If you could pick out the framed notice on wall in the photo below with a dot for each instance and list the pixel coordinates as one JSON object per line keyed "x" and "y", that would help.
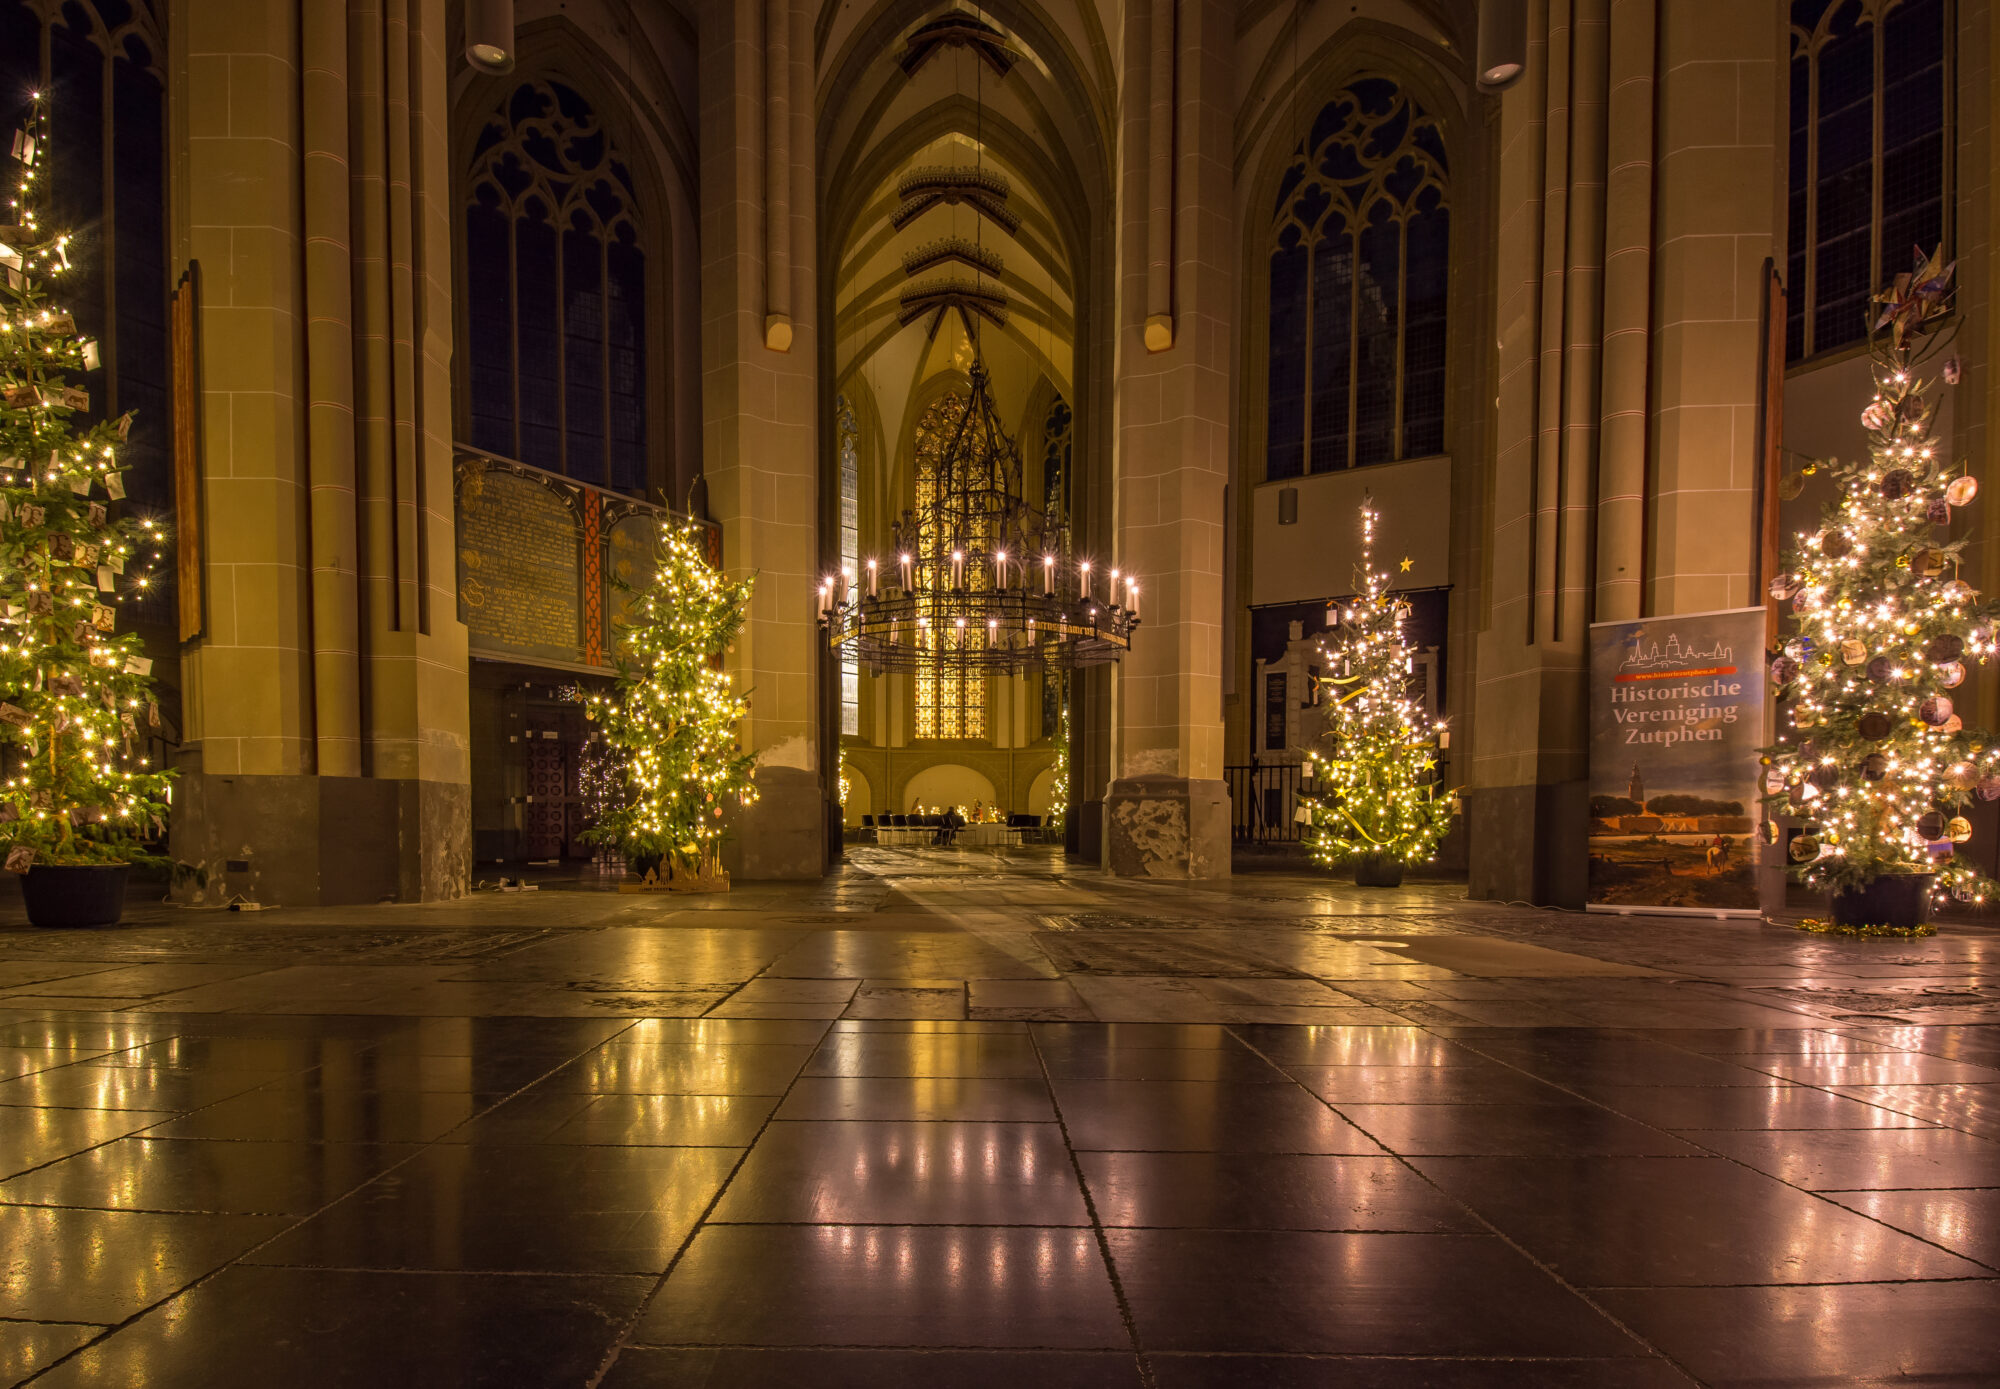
{"x": 1275, "y": 710}
{"x": 1676, "y": 719}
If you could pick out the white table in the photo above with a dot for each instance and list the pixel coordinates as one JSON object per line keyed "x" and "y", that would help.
{"x": 911, "y": 836}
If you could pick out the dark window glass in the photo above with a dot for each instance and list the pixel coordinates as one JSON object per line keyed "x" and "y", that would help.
{"x": 556, "y": 293}
{"x": 1359, "y": 285}
{"x": 1870, "y": 127}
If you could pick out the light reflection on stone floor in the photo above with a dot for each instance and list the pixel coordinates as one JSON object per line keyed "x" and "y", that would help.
{"x": 975, "y": 1118}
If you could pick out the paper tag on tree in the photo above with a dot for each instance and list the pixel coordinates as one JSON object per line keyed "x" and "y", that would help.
{"x": 63, "y": 546}
{"x": 16, "y": 715}
{"x": 24, "y": 150}
{"x": 20, "y": 858}
{"x": 97, "y": 514}
{"x": 105, "y": 581}
{"x": 41, "y": 603}
{"x": 125, "y": 426}
{"x": 9, "y": 813}
{"x": 139, "y": 665}
{"x": 103, "y": 618}
{"x": 63, "y": 683}
{"x": 79, "y": 483}
{"x": 86, "y": 556}
{"x": 114, "y": 486}
{"x": 74, "y": 398}
{"x": 32, "y": 515}
{"x": 152, "y": 714}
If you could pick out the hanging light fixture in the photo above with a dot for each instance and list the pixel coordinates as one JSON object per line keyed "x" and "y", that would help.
{"x": 985, "y": 583}
{"x": 489, "y": 35}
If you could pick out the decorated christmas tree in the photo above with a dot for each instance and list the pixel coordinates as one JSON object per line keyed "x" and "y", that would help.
{"x": 675, "y": 713}
{"x": 1376, "y": 797}
{"x": 1873, "y": 752}
{"x": 76, "y": 695}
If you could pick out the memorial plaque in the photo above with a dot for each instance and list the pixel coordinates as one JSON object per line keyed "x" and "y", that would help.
{"x": 518, "y": 567}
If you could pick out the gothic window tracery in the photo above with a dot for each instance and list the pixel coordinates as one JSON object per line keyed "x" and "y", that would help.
{"x": 1360, "y": 238}
{"x": 1869, "y": 162}
{"x": 556, "y": 288}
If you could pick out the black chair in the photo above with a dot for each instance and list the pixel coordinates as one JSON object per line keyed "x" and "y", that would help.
{"x": 868, "y": 822}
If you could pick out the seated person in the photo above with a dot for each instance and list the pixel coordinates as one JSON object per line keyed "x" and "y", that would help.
{"x": 949, "y": 826}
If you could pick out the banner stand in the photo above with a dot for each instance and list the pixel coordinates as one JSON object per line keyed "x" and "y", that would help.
{"x": 1677, "y": 719}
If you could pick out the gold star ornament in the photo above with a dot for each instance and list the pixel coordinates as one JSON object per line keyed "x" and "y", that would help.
{"x": 1406, "y": 564}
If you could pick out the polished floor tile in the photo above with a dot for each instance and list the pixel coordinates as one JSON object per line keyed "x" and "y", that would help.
{"x": 1965, "y": 1222}
{"x": 996, "y": 1055}
{"x": 1357, "y": 1046}
{"x": 1867, "y": 1333}
{"x": 87, "y": 1086}
{"x": 1860, "y": 1159}
{"x": 683, "y": 1068}
{"x": 931, "y": 1173}
{"x": 1231, "y": 1065}
{"x": 1874, "y": 1069}
{"x": 1195, "y": 1116}
{"x": 1970, "y": 1108}
{"x": 1509, "y": 1130}
{"x": 1680, "y": 1221}
{"x": 874, "y": 1285}
{"x": 1266, "y": 1191}
{"x": 196, "y": 1175}
{"x": 30, "y": 1137}
{"x": 104, "y": 1266}
{"x": 539, "y": 1209}
{"x": 1352, "y": 1294}
{"x": 1442, "y": 1084}
{"x": 251, "y": 1328}
{"x": 1684, "y": 1108}
{"x": 1003, "y": 1099}
{"x": 330, "y": 1115}
{"x": 1179, "y": 1371}
{"x": 739, "y": 1368}
{"x": 27, "y": 1346}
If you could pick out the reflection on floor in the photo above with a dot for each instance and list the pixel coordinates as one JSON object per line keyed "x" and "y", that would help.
{"x": 976, "y": 1118}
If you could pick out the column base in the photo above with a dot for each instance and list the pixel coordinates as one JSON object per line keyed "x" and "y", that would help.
{"x": 783, "y": 833}
{"x": 319, "y": 841}
{"x": 1167, "y": 827}
{"x": 1529, "y": 843}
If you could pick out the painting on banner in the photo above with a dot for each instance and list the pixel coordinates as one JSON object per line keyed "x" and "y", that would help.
{"x": 1676, "y": 721}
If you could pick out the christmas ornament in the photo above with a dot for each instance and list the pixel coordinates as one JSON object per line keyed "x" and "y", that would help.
{"x": 1931, "y": 825}
{"x": 1880, "y": 669}
{"x": 1783, "y": 586}
{"x": 1958, "y": 829}
{"x": 1874, "y": 766}
{"x": 1873, "y": 725}
{"x": 1951, "y": 674}
{"x": 1836, "y": 545}
{"x": 1895, "y": 485}
{"x": 1961, "y": 490}
{"x": 1944, "y": 647}
{"x": 1938, "y": 513}
{"x": 1853, "y": 652}
{"x": 1935, "y": 709}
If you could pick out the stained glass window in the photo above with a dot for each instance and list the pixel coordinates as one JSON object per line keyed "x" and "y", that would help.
{"x": 1869, "y": 160}
{"x": 555, "y": 292}
{"x": 950, "y": 697}
{"x": 1359, "y": 262}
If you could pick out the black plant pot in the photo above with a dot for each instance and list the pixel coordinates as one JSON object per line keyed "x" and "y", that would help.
{"x": 1902, "y": 900}
{"x": 1378, "y": 870}
{"x": 75, "y": 894}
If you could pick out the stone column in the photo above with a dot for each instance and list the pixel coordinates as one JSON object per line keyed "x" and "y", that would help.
{"x": 326, "y": 756}
{"x": 1638, "y": 191}
{"x": 1167, "y": 809}
{"x": 759, "y": 415}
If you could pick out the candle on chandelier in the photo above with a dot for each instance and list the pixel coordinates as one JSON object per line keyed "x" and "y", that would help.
{"x": 1132, "y": 597}
{"x": 1113, "y": 594}
{"x": 1084, "y": 570}
{"x": 872, "y": 576}
{"x": 1048, "y": 574}
{"x": 958, "y": 569}
{"x": 904, "y": 560}
{"x": 999, "y": 569}
{"x": 992, "y": 631}
{"x": 961, "y": 632}
{"x": 825, "y": 596}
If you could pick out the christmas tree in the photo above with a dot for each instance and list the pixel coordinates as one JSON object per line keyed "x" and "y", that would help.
{"x": 1872, "y": 750}
{"x": 675, "y": 713}
{"x": 1377, "y": 795}
{"x": 76, "y": 696}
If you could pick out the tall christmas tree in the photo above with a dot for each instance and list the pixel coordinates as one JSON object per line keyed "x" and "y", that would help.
{"x": 675, "y": 713}
{"x": 1377, "y": 798}
{"x": 76, "y": 697}
{"x": 1872, "y": 749}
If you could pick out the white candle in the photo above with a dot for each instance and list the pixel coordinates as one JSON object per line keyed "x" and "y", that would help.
{"x": 871, "y": 579}
{"x": 1132, "y": 597}
{"x": 999, "y": 569}
{"x": 825, "y": 596}
{"x": 904, "y": 560}
{"x": 1048, "y": 574}
{"x": 961, "y": 632}
{"x": 1113, "y": 594}
{"x": 958, "y": 569}
{"x": 1084, "y": 569}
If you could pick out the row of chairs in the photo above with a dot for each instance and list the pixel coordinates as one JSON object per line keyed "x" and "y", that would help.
{"x": 1021, "y": 827}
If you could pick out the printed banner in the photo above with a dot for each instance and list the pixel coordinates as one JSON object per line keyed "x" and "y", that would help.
{"x": 1676, "y": 719}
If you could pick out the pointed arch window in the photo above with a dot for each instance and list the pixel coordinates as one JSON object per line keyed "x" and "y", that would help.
{"x": 556, "y": 292}
{"x": 1360, "y": 250}
{"x": 1870, "y": 158}
{"x": 950, "y": 697}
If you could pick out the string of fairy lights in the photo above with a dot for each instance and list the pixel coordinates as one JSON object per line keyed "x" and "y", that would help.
{"x": 73, "y": 688}
{"x": 675, "y": 715}
{"x": 1377, "y": 791}
{"x": 1873, "y": 752}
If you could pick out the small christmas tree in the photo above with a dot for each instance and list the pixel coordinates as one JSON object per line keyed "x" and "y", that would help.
{"x": 1377, "y": 796}
{"x": 1872, "y": 750}
{"x": 675, "y": 714}
{"x": 76, "y": 698}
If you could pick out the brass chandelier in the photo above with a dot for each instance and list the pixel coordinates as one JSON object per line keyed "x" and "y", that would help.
{"x": 980, "y": 581}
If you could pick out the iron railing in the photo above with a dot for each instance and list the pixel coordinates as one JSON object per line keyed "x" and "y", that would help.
{"x": 1263, "y": 800}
